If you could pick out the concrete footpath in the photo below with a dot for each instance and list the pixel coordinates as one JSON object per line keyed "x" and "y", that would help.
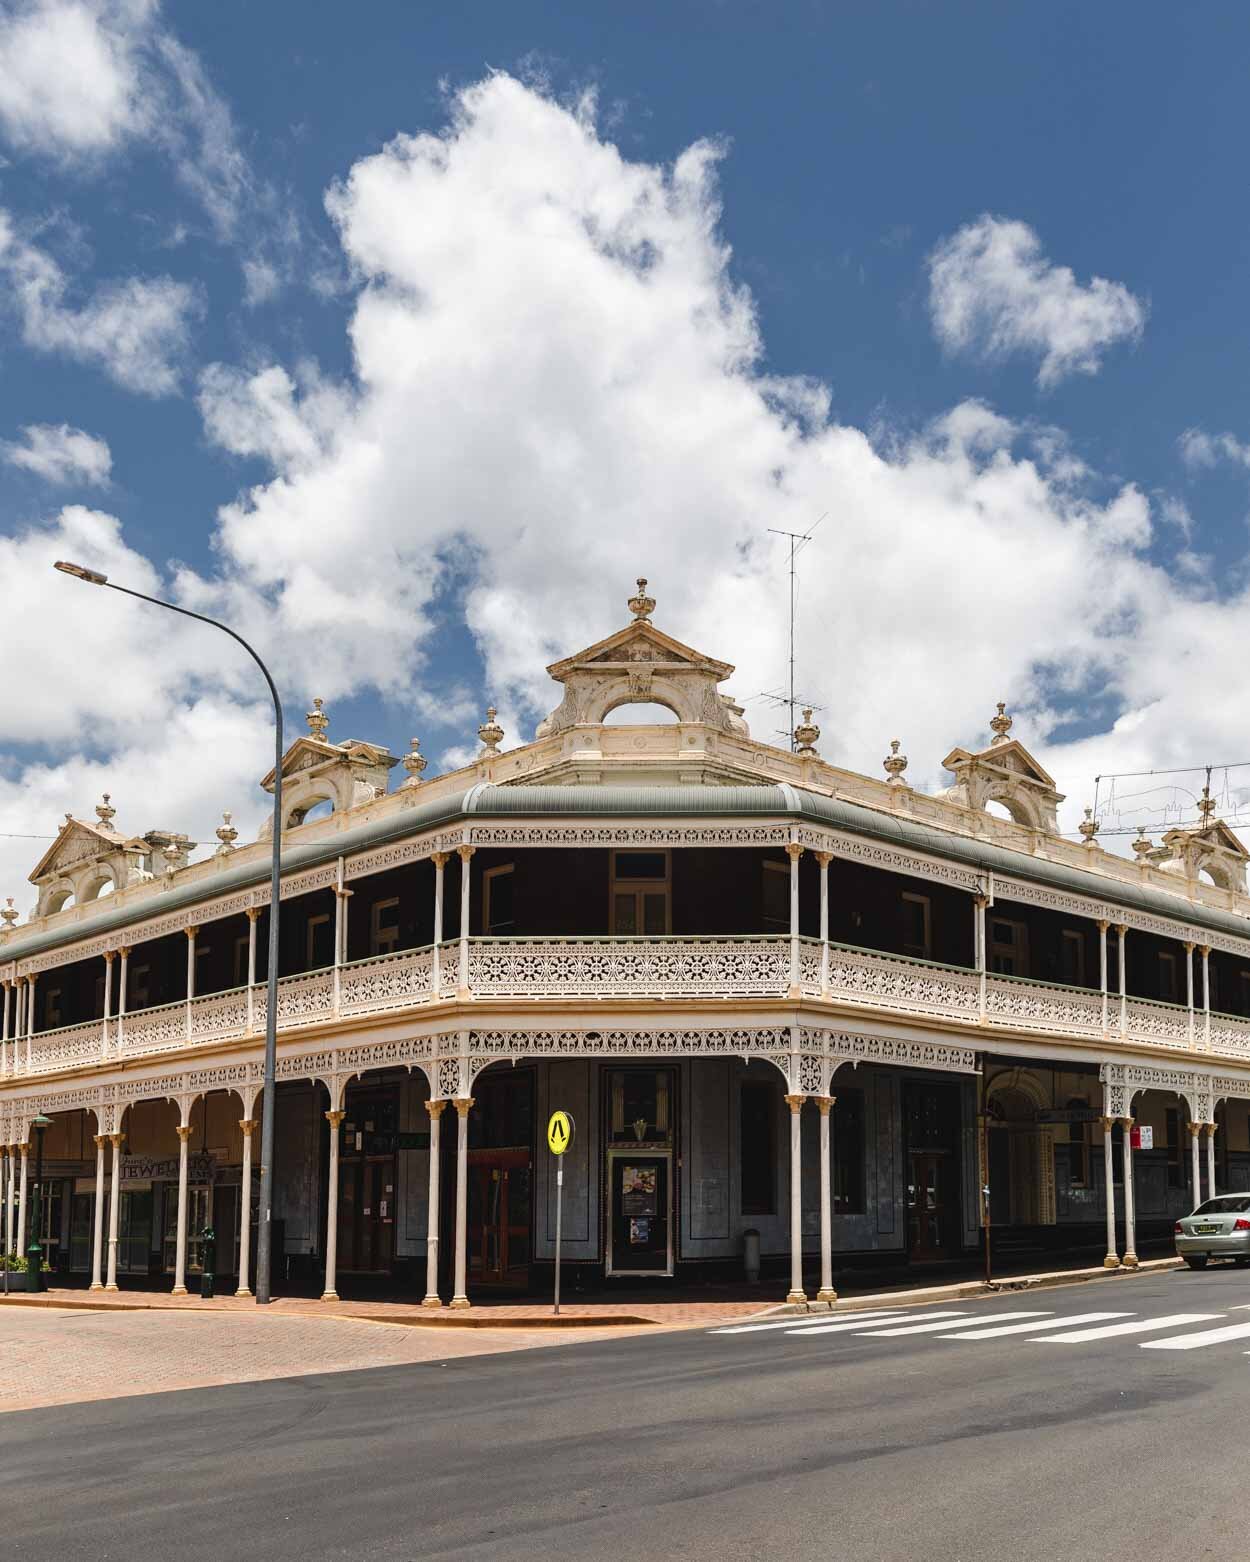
{"x": 673, "y": 1309}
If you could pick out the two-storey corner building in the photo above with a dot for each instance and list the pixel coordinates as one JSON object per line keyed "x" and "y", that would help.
{"x": 774, "y": 996}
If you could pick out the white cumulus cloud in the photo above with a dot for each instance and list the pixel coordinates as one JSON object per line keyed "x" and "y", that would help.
{"x": 136, "y": 328}
{"x": 60, "y": 454}
{"x": 1200, "y": 450}
{"x": 993, "y": 292}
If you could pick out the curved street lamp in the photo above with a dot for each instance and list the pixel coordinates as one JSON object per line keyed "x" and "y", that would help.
{"x": 265, "y": 1232}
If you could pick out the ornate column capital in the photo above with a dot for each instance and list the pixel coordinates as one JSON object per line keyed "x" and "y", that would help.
{"x": 1212, "y": 1129}
{"x": 823, "y": 858}
{"x": 1108, "y": 1123}
{"x": 1189, "y": 946}
{"x": 335, "y": 1117}
{"x": 435, "y": 1108}
{"x": 246, "y": 1124}
{"x": 109, "y": 956}
{"x": 463, "y": 1105}
{"x": 1103, "y": 925}
{"x": 465, "y": 852}
{"x": 192, "y": 930}
{"x": 795, "y": 1103}
{"x": 793, "y": 850}
{"x": 1204, "y": 950}
{"x": 1126, "y": 1122}
{"x": 124, "y": 950}
{"x": 184, "y": 1132}
{"x": 252, "y": 913}
{"x": 824, "y": 1104}
{"x": 1194, "y": 1130}
{"x": 100, "y": 1139}
{"x": 116, "y": 1140}
{"x": 440, "y": 859}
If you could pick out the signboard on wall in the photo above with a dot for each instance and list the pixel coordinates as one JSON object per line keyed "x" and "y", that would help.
{"x": 147, "y": 1168}
{"x": 1142, "y": 1137}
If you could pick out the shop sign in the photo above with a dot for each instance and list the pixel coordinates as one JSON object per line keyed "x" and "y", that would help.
{"x": 1142, "y": 1137}
{"x": 1069, "y": 1114}
{"x": 146, "y": 1168}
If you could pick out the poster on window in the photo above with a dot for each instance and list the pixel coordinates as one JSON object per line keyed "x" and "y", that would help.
{"x": 640, "y": 1231}
{"x": 638, "y": 1190}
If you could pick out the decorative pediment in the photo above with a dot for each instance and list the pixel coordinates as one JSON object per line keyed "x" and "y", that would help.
{"x": 1213, "y": 848}
{"x": 1005, "y": 772}
{"x": 640, "y": 664}
{"x": 86, "y": 859}
{"x": 314, "y": 771}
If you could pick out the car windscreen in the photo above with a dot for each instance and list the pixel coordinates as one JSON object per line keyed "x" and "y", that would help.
{"x": 1225, "y": 1206}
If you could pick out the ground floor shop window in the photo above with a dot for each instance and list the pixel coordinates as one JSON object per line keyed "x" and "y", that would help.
{"x": 199, "y": 1201}
{"x": 848, "y": 1153}
{"x": 757, "y": 1147}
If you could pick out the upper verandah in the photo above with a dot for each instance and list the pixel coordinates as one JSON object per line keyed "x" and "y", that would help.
{"x": 708, "y": 747}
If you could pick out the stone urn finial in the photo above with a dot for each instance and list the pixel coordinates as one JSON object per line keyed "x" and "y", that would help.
{"x": 227, "y": 834}
{"x": 1142, "y": 845}
{"x": 895, "y": 764}
{"x": 1000, "y": 725}
{"x": 317, "y": 720}
{"x": 1089, "y": 827}
{"x": 807, "y": 734}
{"x": 491, "y": 734}
{"x": 414, "y": 762}
{"x": 641, "y": 605}
{"x": 105, "y": 813}
{"x": 10, "y": 913}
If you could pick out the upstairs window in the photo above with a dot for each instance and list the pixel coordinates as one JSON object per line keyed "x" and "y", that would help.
{"x": 239, "y": 968}
{"x": 640, "y": 893}
{"x": 917, "y": 940}
{"x": 1072, "y": 958}
{"x": 498, "y": 901}
{"x": 52, "y": 1015}
{"x": 140, "y": 994}
{"x": 1008, "y": 947}
{"x": 318, "y": 942}
{"x": 1168, "y": 987}
{"x": 384, "y": 926}
{"x": 776, "y": 897}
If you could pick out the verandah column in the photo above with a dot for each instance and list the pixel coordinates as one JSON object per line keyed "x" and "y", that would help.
{"x": 109, "y": 956}
{"x": 1189, "y": 991}
{"x": 1206, "y": 995}
{"x": 1121, "y": 940}
{"x": 11, "y": 1218}
{"x": 4, "y": 1030}
{"x": 463, "y": 1105}
{"x": 1112, "y": 1260}
{"x": 824, "y": 1105}
{"x": 824, "y": 859}
{"x": 115, "y": 1210}
{"x": 6, "y": 1203}
{"x": 1130, "y": 1224}
{"x": 30, "y": 1017}
{"x": 330, "y": 1294}
{"x": 124, "y": 953}
{"x": 1102, "y": 967}
{"x": 432, "y": 1298}
{"x": 341, "y": 896}
{"x": 19, "y": 1246}
{"x": 246, "y": 1124}
{"x": 253, "y": 915}
{"x": 462, "y": 984}
{"x": 1211, "y": 1129}
{"x": 794, "y": 851}
{"x": 97, "y": 1233}
{"x": 180, "y": 1248}
{"x": 979, "y": 904}
{"x": 190, "y": 932}
{"x": 1195, "y": 1164}
{"x": 440, "y": 861}
{"x": 796, "y": 1292}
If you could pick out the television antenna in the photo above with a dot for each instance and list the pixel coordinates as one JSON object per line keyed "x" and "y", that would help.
{"x": 798, "y": 541}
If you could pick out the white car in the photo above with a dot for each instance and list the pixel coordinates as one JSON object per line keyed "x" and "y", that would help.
{"x": 1220, "y": 1228}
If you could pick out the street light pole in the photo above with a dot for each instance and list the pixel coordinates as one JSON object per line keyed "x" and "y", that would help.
{"x": 34, "y": 1249}
{"x": 265, "y": 1233}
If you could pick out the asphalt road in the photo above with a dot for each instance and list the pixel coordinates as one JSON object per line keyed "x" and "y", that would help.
{"x": 694, "y": 1444}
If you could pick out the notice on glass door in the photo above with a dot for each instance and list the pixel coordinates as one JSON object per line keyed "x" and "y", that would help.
{"x": 638, "y": 1190}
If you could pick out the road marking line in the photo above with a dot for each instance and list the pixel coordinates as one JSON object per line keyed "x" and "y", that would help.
{"x": 933, "y": 1328}
{"x": 802, "y": 1325}
{"x": 1232, "y": 1331}
{"x": 1113, "y": 1330}
{"x": 861, "y": 1325}
{"x": 1048, "y": 1321}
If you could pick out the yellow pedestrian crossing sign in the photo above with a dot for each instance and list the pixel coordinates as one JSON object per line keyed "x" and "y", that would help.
{"x": 559, "y": 1133}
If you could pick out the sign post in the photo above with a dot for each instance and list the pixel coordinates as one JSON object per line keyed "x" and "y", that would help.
{"x": 560, "y": 1131}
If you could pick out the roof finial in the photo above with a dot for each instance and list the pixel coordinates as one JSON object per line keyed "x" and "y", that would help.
{"x": 641, "y": 606}
{"x": 9, "y": 914}
{"x": 414, "y": 762}
{"x": 1206, "y": 807}
{"x": 105, "y": 813}
{"x": 226, "y": 833}
{"x": 1000, "y": 725}
{"x": 806, "y": 734}
{"x": 1142, "y": 844}
{"x": 317, "y": 720}
{"x": 1089, "y": 827}
{"x": 491, "y": 734}
{"x": 895, "y": 764}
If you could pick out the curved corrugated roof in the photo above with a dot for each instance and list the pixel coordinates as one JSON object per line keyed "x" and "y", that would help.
{"x": 775, "y": 801}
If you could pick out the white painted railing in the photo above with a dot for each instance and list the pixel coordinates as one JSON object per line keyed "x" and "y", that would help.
{"x": 669, "y": 968}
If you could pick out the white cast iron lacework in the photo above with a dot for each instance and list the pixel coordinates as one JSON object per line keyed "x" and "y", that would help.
{"x": 1011, "y": 1000}
{"x": 629, "y": 967}
{"x": 854, "y": 848}
{"x": 906, "y": 986}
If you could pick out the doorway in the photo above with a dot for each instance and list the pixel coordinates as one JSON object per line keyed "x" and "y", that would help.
{"x": 931, "y": 1125}
{"x": 499, "y": 1217}
{"x": 367, "y": 1180}
{"x": 639, "y": 1213}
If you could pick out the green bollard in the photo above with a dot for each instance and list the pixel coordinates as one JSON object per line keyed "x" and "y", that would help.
{"x": 208, "y": 1249}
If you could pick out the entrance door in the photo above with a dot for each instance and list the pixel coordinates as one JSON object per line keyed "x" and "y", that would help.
{"x": 928, "y": 1210}
{"x": 639, "y": 1214}
{"x": 366, "y": 1214}
{"x": 499, "y": 1217}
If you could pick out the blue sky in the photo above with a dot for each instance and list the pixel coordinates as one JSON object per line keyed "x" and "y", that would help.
{"x": 391, "y": 445}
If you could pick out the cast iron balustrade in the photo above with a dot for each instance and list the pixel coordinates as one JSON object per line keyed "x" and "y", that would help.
{"x": 663, "y": 968}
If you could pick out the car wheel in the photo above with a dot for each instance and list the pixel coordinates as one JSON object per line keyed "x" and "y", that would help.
{"x": 1199, "y": 1261}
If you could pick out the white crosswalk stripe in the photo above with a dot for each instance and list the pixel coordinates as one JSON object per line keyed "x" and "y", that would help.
{"x": 803, "y": 1325}
{"x": 1232, "y": 1331}
{"x": 861, "y": 1326}
{"x": 1113, "y": 1331}
{"x": 933, "y": 1328}
{"x": 1043, "y": 1321}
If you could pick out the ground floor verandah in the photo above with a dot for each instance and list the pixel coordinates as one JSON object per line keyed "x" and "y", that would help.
{"x": 683, "y": 1170}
